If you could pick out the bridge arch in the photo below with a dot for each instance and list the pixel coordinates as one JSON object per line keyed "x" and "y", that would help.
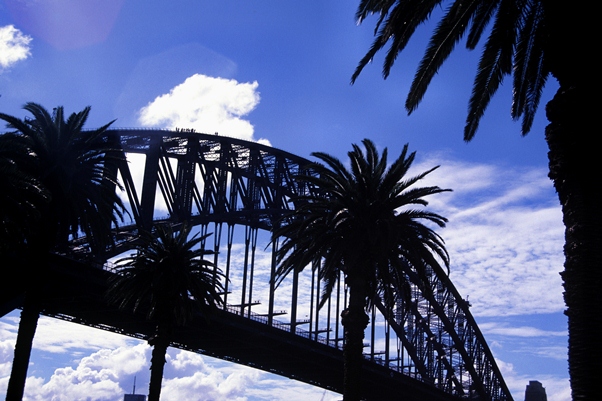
{"x": 237, "y": 190}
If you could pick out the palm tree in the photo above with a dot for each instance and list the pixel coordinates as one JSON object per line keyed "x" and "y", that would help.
{"x": 72, "y": 166}
{"x": 361, "y": 222}
{"x": 22, "y": 194}
{"x": 529, "y": 40}
{"x": 169, "y": 279}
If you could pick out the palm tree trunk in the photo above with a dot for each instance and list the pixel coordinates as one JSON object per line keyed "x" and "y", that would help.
{"x": 354, "y": 320}
{"x": 27, "y": 329}
{"x": 160, "y": 343}
{"x": 574, "y": 158}
{"x": 576, "y": 172}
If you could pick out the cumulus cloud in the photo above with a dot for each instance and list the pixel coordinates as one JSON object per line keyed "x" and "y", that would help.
{"x": 107, "y": 374}
{"x": 58, "y": 336}
{"x": 99, "y": 376}
{"x": 205, "y": 104}
{"x": 209, "y": 385}
{"x": 6, "y": 356}
{"x": 14, "y": 46}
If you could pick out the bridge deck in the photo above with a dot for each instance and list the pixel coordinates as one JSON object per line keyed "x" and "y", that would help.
{"x": 75, "y": 292}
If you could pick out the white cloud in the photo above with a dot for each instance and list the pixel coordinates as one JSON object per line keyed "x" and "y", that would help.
{"x": 58, "y": 336}
{"x": 122, "y": 360}
{"x": 186, "y": 360}
{"x": 521, "y": 331}
{"x": 558, "y": 352}
{"x": 107, "y": 374}
{"x": 14, "y": 46}
{"x": 290, "y": 390}
{"x": 6, "y": 356}
{"x": 505, "y": 236}
{"x": 207, "y": 105}
{"x": 99, "y": 376}
{"x": 557, "y": 388}
{"x": 209, "y": 385}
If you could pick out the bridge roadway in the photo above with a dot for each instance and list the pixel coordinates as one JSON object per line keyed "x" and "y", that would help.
{"x": 74, "y": 291}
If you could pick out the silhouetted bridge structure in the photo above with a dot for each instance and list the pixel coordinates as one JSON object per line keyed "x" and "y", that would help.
{"x": 430, "y": 348}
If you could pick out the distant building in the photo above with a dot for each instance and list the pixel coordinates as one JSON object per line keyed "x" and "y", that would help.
{"x": 134, "y": 397}
{"x": 535, "y": 392}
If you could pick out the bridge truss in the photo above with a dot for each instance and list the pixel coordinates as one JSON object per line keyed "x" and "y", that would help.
{"x": 237, "y": 191}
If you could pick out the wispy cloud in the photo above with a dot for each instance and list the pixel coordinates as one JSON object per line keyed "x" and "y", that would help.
{"x": 520, "y": 331}
{"x": 553, "y": 352}
{"x": 57, "y": 336}
{"x": 14, "y": 46}
{"x": 505, "y": 236}
{"x": 205, "y": 104}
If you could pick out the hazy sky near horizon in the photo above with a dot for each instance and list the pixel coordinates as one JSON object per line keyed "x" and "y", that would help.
{"x": 279, "y": 73}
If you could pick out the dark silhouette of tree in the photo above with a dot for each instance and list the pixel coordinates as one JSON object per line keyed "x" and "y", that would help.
{"x": 528, "y": 40}
{"x": 21, "y": 196}
{"x": 170, "y": 280}
{"x": 362, "y": 222}
{"x": 72, "y": 166}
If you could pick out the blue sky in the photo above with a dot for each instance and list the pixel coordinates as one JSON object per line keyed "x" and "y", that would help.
{"x": 279, "y": 72}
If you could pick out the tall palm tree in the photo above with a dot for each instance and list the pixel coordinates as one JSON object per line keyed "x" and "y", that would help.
{"x": 22, "y": 194}
{"x": 361, "y": 222}
{"x": 528, "y": 40}
{"x": 170, "y": 280}
{"x": 72, "y": 166}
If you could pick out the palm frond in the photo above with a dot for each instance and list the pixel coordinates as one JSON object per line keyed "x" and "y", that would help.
{"x": 351, "y": 222}
{"x": 495, "y": 64}
{"x": 448, "y": 33}
{"x": 399, "y": 25}
{"x": 404, "y": 20}
{"x": 75, "y": 167}
{"x": 530, "y": 72}
{"x": 480, "y": 20}
{"x": 515, "y": 45}
{"x": 168, "y": 276}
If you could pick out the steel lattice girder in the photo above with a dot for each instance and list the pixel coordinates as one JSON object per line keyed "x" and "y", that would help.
{"x": 207, "y": 179}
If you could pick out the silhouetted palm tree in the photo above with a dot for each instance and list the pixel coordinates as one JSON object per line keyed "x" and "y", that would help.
{"x": 528, "y": 40}
{"x": 72, "y": 165}
{"x": 21, "y": 195}
{"x": 170, "y": 280}
{"x": 363, "y": 222}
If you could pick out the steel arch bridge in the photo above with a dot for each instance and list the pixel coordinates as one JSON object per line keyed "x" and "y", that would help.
{"x": 238, "y": 190}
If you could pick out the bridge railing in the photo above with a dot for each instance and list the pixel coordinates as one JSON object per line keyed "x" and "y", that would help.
{"x": 262, "y": 318}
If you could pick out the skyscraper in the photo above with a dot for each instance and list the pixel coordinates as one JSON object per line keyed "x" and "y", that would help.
{"x": 134, "y": 396}
{"x": 535, "y": 392}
